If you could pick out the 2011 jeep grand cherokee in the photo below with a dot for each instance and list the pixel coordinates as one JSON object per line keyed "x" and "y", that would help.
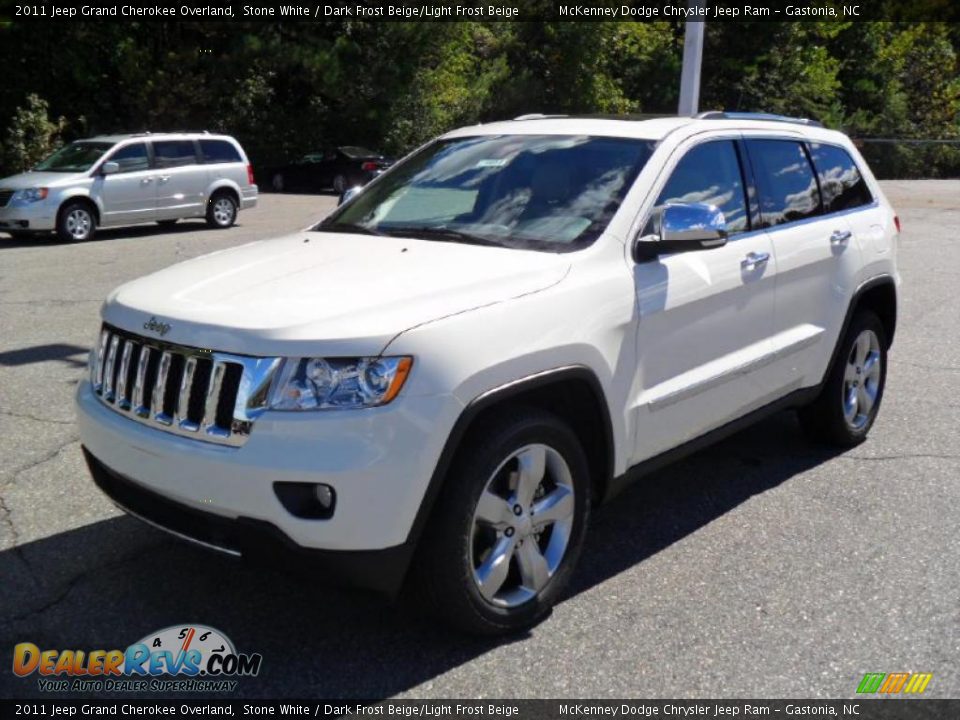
{"x": 448, "y": 372}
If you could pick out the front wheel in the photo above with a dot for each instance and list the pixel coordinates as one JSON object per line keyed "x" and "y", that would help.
{"x": 221, "y": 210}
{"x": 278, "y": 183}
{"x": 339, "y": 184}
{"x": 76, "y": 223}
{"x": 509, "y": 525}
{"x": 848, "y": 404}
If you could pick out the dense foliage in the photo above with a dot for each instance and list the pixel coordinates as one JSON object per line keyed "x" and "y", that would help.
{"x": 284, "y": 89}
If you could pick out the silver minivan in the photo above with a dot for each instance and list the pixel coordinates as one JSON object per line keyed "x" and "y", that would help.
{"x": 116, "y": 180}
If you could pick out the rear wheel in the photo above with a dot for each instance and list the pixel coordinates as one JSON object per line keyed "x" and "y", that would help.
{"x": 76, "y": 222}
{"x": 339, "y": 184}
{"x": 221, "y": 210}
{"x": 278, "y": 183}
{"x": 848, "y": 404}
{"x": 508, "y": 527}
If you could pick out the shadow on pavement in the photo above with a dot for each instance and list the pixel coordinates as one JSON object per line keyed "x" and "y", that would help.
{"x": 108, "y": 584}
{"x": 72, "y": 355}
{"x": 104, "y": 234}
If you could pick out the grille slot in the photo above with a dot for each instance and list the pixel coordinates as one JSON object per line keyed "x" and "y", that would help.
{"x": 184, "y": 390}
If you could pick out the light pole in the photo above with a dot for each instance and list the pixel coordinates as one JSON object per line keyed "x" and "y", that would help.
{"x": 692, "y": 57}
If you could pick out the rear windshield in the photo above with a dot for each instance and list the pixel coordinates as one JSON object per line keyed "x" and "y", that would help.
{"x": 75, "y": 157}
{"x": 540, "y": 192}
{"x": 358, "y": 152}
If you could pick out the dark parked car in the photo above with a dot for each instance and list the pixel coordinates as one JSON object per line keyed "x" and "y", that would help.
{"x": 338, "y": 168}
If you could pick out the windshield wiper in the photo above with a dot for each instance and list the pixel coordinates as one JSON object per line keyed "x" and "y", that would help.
{"x": 443, "y": 234}
{"x": 347, "y": 227}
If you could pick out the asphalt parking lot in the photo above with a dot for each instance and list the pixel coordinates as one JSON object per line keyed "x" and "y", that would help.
{"x": 762, "y": 567}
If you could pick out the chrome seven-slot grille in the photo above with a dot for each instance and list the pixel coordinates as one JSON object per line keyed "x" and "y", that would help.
{"x": 188, "y": 391}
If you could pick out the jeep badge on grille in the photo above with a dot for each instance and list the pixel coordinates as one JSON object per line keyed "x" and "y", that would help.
{"x": 156, "y": 326}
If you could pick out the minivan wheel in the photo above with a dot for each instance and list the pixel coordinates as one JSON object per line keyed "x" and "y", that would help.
{"x": 76, "y": 223}
{"x": 848, "y": 404}
{"x": 221, "y": 210}
{"x": 277, "y": 183}
{"x": 508, "y": 526}
{"x": 339, "y": 184}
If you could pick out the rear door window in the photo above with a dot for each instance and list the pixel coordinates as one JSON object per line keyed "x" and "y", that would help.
{"x": 131, "y": 158}
{"x": 841, "y": 183}
{"x": 219, "y": 151}
{"x": 710, "y": 173}
{"x": 174, "y": 153}
{"x": 787, "y": 188}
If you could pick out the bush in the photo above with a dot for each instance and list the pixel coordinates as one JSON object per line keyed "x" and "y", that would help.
{"x": 31, "y": 136}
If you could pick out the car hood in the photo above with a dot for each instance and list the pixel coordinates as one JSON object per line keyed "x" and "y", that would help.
{"x": 324, "y": 293}
{"x": 38, "y": 179}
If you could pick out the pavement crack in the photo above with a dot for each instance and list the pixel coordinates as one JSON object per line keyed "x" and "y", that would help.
{"x": 28, "y": 416}
{"x": 53, "y": 454}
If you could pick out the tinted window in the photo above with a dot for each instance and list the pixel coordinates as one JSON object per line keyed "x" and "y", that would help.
{"x": 787, "y": 188}
{"x": 710, "y": 173}
{"x": 76, "y": 157}
{"x": 174, "y": 153}
{"x": 219, "y": 151}
{"x": 841, "y": 183}
{"x": 131, "y": 158}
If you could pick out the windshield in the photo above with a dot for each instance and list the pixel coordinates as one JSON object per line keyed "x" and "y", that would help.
{"x": 542, "y": 192}
{"x": 76, "y": 157}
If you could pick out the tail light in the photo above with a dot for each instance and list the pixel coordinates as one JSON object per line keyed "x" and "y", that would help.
{"x": 370, "y": 166}
{"x": 896, "y": 221}
{"x": 250, "y": 179}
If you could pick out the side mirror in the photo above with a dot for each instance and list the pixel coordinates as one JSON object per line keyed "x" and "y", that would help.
{"x": 109, "y": 168}
{"x": 349, "y": 194}
{"x": 683, "y": 228}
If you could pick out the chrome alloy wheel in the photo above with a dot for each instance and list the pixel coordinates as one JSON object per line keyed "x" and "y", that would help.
{"x": 861, "y": 380}
{"x": 521, "y": 526}
{"x": 223, "y": 211}
{"x": 79, "y": 223}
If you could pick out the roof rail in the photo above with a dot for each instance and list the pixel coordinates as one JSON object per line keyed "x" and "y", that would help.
{"x": 769, "y": 117}
{"x": 538, "y": 116}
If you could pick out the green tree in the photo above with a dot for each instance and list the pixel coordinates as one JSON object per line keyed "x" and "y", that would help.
{"x": 31, "y": 135}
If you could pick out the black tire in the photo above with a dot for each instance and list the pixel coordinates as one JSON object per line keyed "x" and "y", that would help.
{"x": 76, "y": 222}
{"x": 167, "y": 223}
{"x": 221, "y": 210}
{"x": 445, "y": 571}
{"x": 828, "y": 418}
{"x": 339, "y": 184}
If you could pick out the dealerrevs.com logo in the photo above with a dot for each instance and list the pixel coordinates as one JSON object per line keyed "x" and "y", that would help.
{"x": 181, "y": 658}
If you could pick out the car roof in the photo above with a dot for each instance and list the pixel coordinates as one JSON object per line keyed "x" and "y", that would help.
{"x": 122, "y": 137}
{"x": 655, "y": 129}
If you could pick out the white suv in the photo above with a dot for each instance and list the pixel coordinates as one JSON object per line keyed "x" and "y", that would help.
{"x": 500, "y": 332}
{"x": 115, "y": 180}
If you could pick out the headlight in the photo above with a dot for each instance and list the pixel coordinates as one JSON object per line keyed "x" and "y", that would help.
{"x": 338, "y": 383}
{"x": 30, "y": 195}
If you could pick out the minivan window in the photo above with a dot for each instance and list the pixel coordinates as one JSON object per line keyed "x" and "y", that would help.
{"x": 75, "y": 157}
{"x": 219, "y": 151}
{"x": 787, "y": 188}
{"x": 710, "y": 173}
{"x": 131, "y": 158}
{"x": 540, "y": 192}
{"x": 841, "y": 183}
{"x": 174, "y": 153}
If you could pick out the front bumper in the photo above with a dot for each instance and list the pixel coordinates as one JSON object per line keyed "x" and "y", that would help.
{"x": 379, "y": 462}
{"x": 29, "y": 217}
{"x": 256, "y": 540}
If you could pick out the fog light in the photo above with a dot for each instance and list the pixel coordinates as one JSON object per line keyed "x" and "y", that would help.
{"x": 324, "y": 495}
{"x": 310, "y": 501}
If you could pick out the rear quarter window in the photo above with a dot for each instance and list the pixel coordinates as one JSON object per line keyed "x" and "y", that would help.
{"x": 219, "y": 151}
{"x": 787, "y": 188}
{"x": 841, "y": 183}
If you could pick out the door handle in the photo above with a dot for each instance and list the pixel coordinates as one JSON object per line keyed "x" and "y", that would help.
{"x": 754, "y": 260}
{"x": 146, "y": 181}
{"x": 164, "y": 178}
{"x": 840, "y": 237}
